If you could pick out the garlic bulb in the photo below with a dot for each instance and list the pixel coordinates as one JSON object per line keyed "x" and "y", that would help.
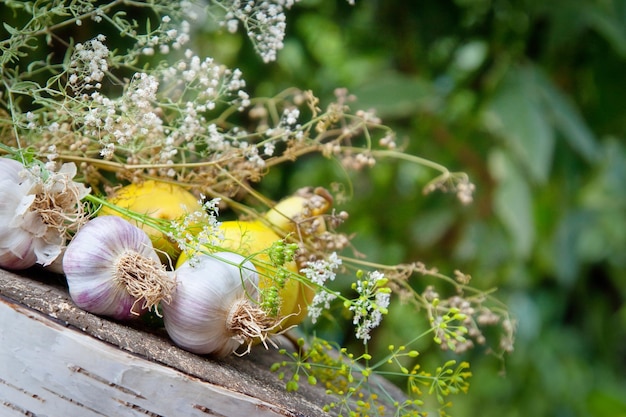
{"x": 16, "y": 247}
{"x": 112, "y": 269}
{"x": 213, "y": 309}
{"x": 39, "y": 210}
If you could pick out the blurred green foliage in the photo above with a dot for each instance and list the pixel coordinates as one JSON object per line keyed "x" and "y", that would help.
{"x": 528, "y": 98}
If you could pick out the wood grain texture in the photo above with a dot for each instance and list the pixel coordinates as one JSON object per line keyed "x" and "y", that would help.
{"x": 58, "y": 360}
{"x": 57, "y": 371}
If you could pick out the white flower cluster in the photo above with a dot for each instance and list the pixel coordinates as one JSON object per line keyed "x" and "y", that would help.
{"x": 137, "y": 117}
{"x": 88, "y": 64}
{"x": 318, "y": 272}
{"x": 206, "y": 83}
{"x": 457, "y": 182}
{"x": 126, "y": 120}
{"x": 185, "y": 231}
{"x": 198, "y": 86}
{"x": 286, "y": 129}
{"x": 264, "y": 22}
{"x": 465, "y": 191}
{"x": 372, "y": 303}
{"x": 165, "y": 38}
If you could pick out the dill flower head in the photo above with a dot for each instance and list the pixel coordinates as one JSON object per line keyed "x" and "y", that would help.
{"x": 39, "y": 209}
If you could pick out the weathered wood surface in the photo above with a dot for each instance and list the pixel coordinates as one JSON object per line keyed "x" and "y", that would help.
{"x": 58, "y": 360}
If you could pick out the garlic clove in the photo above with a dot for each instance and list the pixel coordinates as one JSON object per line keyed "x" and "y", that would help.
{"x": 10, "y": 169}
{"x": 99, "y": 297}
{"x": 56, "y": 266}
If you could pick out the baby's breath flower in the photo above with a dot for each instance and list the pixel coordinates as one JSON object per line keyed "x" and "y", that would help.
{"x": 457, "y": 182}
{"x": 268, "y": 148}
{"x": 198, "y": 230}
{"x": 232, "y": 25}
{"x": 88, "y": 64}
{"x": 388, "y": 141}
{"x": 263, "y": 21}
{"x": 290, "y": 116}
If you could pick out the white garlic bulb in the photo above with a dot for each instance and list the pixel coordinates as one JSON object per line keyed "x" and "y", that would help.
{"x": 113, "y": 270}
{"x": 214, "y": 307}
{"x": 39, "y": 210}
{"x": 16, "y": 247}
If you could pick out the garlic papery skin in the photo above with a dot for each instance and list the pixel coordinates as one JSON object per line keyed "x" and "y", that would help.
{"x": 214, "y": 309}
{"x": 113, "y": 270}
{"x": 39, "y": 210}
{"x": 16, "y": 247}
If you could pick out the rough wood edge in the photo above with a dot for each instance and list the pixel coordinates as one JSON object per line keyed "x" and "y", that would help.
{"x": 249, "y": 375}
{"x": 51, "y": 369}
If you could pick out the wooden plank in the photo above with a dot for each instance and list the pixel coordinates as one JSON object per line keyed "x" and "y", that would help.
{"x": 49, "y": 369}
{"x": 58, "y": 360}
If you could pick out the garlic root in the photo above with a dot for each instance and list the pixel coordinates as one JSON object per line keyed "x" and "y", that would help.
{"x": 144, "y": 279}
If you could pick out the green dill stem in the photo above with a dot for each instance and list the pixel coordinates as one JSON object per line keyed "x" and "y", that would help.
{"x": 51, "y": 29}
{"x": 223, "y": 117}
{"x": 147, "y": 220}
{"x": 8, "y": 149}
{"x": 406, "y": 157}
{"x": 14, "y": 125}
{"x": 439, "y": 275}
{"x": 141, "y": 218}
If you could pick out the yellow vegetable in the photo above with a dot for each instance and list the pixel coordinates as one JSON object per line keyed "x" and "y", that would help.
{"x": 300, "y": 310}
{"x": 158, "y": 200}
{"x": 301, "y": 215}
{"x": 283, "y": 214}
{"x": 252, "y": 239}
{"x": 302, "y": 207}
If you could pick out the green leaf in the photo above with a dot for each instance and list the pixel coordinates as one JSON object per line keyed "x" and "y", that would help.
{"x": 608, "y": 21}
{"x": 604, "y": 403}
{"x": 565, "y": 241}
{"x": 12, "y": 31}
{"x": 25, "y": 86}
{"x": 516, "y": 114}
{"x": 513, "y": 203}
{"x": 430, "y": 226}
{"x": 323, "y": 38}
{"x": 395, "y": 95}
{"x": 567, "y": 119}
